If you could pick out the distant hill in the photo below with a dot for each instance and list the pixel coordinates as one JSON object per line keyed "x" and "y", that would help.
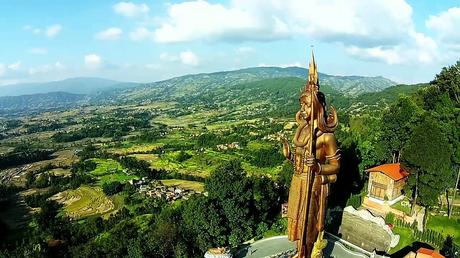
{"x": 271, "y": 84}
{"x": 41, "y": 101}
{"x": 81, "y": 85}
{"x": 375, "y": 101}
{"x": 389, "y": 94}
{"x": 199, "y": 84}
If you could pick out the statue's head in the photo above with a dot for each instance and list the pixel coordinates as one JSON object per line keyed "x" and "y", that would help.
{"x": 326, "y": 123}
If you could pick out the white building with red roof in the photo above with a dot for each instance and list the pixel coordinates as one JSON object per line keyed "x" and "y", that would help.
{"x": 386, "y": 182}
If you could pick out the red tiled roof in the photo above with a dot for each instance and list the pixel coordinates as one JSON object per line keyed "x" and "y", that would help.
{"x": 429, "y": 252}
{"x": 393, "y": 170}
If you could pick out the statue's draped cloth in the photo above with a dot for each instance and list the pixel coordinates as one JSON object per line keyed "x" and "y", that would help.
{"x": 298, "y": 193}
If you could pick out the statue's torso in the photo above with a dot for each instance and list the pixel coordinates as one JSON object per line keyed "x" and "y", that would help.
{"x": 301, "y": 152}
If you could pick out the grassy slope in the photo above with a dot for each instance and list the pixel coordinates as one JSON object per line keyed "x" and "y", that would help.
{"x": 406, "y": 238}
{"x": 446, "y": 226}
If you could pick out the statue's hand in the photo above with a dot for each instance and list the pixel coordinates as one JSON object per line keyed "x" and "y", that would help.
{"x": 312, "y": 163}
{"x": 286, "y": 147}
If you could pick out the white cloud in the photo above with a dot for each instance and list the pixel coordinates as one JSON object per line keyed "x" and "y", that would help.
{"x": 92, "y": 61}
{"x": 130, "y": 9}
{"x": 2, "y": 69}
{"x": 245, "y": 50}
{"x": 372, "y": 30}
{"x": 46, "y": 69}
{"x": 446, "y": 25}
{"x": 390, "y": 55}
{"x": 38, "y": 51}
{"x": 200, "y": 20}
{"x": 189, "y": 58}
{"x": 40, "y": 69}
{"x": 6, "y": 69}
{"x": 140, "y": 34}
{"x": 15, "y": 66}
{"x": 419, "y": 48}
{"x": 112, "y": 33}
{"x": 53, "y": 30}
{"x": 363, "y": 23}
{"x": 49, "y": 31}
{"x": 185, "y": 57}
{"x": 59, "y": 66}
{"x": 32, "y": 29}
{"x": 168, "y": 57}
{"x": 295, "y": 64}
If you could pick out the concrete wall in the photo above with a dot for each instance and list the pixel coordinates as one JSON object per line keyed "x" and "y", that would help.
{"x": 361, "y": 228}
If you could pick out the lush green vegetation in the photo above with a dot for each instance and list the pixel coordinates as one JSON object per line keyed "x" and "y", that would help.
{"x": 23, "y": 154}
{"x": 217, "y": 138}
{"x": 406, "y": 238}
{"x": 446, "y": 226}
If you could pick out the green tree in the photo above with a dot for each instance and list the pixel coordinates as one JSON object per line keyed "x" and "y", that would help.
{"x": 285, "y": 177}
{"x": 111, "y": 188}
{"x": 448, "y": 248}
{"x": 366, "y": 131}
{"x": 448, "y": 80}
{"x": 205, "y": 221}
{"x": 266, "y": 199}
{"x": 183, "y": 156}
{"x": 229, "y": 186}
{"x": 396, "y": 127}
{"x": 427, "y": 156}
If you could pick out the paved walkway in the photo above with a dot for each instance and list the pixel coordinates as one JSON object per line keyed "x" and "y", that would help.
{"x": 420, "y": 214}
{"x": 266, "y": 247}
{"x": 276, "y": 245}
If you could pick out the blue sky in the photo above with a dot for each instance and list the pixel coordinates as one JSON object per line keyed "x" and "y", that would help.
{"x": 144, "y": 41}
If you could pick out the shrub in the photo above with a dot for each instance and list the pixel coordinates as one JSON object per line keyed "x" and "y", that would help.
{"x": 354, "y": 200}
{"x": 389, "y": 218}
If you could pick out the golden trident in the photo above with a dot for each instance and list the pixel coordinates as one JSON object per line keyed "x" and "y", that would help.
{"x": 311, "y": 87}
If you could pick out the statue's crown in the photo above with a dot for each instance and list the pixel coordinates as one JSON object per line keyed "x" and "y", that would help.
{"x": 313, "y": 80}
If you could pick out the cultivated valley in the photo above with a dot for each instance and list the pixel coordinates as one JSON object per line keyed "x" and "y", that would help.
{"x": 173, "y": 168}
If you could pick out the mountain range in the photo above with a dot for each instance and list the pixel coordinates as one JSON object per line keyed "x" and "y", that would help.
{"x": 78, "y": 91}
{"x": 199, "y": 84}
{"x": 80, "y": 85}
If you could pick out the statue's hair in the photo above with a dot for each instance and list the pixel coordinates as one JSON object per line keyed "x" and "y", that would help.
{"x": 327, "y": 123}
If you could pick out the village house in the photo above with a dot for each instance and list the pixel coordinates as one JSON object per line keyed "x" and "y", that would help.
{"x": 233, "y": 145}
{"x": 424, "y": 253}
{"x": 155, "y": 189}
{"x": 386, "y": 182}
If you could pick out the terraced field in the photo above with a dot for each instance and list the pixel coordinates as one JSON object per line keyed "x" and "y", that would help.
{"x": 60, "y": 172}
{"x": 84, "y": 201}
{"x": 109, "y": 170}
{"x": 185, "y": 184}
{"x": 129, "y": 148}
{"x": 105, "y": 166}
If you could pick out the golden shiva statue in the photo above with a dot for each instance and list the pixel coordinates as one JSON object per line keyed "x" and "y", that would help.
{"x": 316, "y": 161}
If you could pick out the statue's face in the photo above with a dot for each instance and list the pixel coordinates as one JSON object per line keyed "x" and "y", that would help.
{"x": 305, "y": 104}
